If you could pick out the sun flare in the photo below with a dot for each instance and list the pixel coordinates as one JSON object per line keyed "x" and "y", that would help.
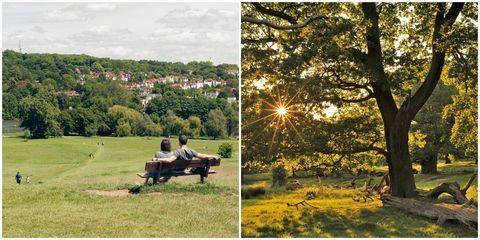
{"x": 281, "y": 111}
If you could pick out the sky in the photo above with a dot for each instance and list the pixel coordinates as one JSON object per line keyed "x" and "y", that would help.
{"x": 155, "y": 31}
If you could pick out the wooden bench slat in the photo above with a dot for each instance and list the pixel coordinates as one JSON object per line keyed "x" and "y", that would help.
{"x": 201, "y": 164}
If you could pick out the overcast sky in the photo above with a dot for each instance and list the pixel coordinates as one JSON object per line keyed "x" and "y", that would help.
{"x": 155, "y": 31}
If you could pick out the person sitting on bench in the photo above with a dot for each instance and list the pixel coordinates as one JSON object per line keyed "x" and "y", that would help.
{"x": 165, "y": 152}
{"x": 184, "y": 153}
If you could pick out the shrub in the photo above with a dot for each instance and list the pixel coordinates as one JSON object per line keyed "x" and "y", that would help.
{"x": 225, "y": 150}
{"x": 279, "y": 175}
{"x": 293, "y": 185}
{"x": 251, "y": 192}
{"x": 27, "y": 135}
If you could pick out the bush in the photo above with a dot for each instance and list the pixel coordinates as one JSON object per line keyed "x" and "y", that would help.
{"x": 293, "y": 185}
{"x": 27, "y": 135}
{"x": 279, "y": 175}
{"x": 225, "y": 150}
{"x": 250, "y": 192}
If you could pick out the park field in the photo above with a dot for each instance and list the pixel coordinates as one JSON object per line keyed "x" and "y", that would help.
{"x": 71, "y": 195}
{"x": 336, "y": 211}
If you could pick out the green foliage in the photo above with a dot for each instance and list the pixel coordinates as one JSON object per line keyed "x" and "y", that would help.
{"x": 252, "y": 191}
{"x": 52, "y": 77}
{"x": 26, "y": 134}
{"x": 195, "y": 126}
{"x": 279, "y": 175}
{"x": 216, "y": 124}
{"x": 225, "y": 150}
{"x": 326, "y": 63}
{"x": 10, "y": 106}
{"x": 39, "y": 117}
{"x": 174, "y": 125}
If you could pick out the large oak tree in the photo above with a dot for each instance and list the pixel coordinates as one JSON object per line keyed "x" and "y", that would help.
{"x": 353, "y": 56}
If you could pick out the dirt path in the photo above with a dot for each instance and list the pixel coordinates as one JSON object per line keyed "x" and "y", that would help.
{"x": 440, "y": 176}
{"x": 82, "y": 164}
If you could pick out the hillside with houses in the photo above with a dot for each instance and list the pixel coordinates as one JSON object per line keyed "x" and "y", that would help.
{"x": 83, "y": 93}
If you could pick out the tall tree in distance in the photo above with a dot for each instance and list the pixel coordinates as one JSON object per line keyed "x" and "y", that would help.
{"x": 216, "y": 124}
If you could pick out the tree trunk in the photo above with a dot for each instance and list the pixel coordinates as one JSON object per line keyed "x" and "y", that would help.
{"x": 402, "y": 182}
{"x": 447, "y": 159}
{"x": 429, "y": 165}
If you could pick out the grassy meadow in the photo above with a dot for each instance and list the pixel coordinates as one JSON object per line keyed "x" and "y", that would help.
{"x": 337, "y": 214}
{"x": 59, "y": 201}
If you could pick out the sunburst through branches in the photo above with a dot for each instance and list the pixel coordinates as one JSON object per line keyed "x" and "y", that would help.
{"x": 281, "y": 115}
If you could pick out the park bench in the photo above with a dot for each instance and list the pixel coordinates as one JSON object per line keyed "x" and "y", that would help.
{"x": 201, "y": 166}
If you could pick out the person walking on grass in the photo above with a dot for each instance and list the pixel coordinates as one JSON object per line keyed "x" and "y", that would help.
{"x": 27, "y": 179}
{"x": 18, "y": 177}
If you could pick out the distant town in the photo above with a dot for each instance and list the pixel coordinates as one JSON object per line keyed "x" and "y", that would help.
{"x": 145, "y": 87}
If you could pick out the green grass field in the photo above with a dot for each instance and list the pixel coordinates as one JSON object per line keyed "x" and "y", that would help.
{"x": 57, "y": 202}
{"x": 338, "y": 214}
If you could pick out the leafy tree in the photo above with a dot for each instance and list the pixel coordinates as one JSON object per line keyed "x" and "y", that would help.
{"x": 173, "y": 125}
{"x": 67, "y": 122}
{"x": 232, "y": 120}
{"x": 437, "y": 130}
{"x": 123, "y": 129}
{"x": 463, "y": 110}
{"x": 216, "y": 124}
{"x": 40, "y": 117}
{"x": 195, "y": 126}
{"x": 10, "y": 106}
{"x": 97, "y": 67}
{"x": 356, "y": 55}
{"x": 120, "y": 114}
{"x": 83, "y": 118}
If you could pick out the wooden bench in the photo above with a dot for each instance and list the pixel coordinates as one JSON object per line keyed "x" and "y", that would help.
{"x": 201, "y": 166}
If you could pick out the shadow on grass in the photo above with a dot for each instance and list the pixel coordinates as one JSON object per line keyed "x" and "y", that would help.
{"x": 199, "y": 188}
{"x": 364, "y": 223}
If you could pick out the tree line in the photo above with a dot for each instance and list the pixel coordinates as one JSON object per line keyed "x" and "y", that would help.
{"x": 35, "y": 92}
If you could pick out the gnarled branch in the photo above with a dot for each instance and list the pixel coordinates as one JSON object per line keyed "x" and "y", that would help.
{"x": 283, "y": 27}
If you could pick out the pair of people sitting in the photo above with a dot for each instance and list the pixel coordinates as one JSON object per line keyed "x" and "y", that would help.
{"x": 183, "y": 153}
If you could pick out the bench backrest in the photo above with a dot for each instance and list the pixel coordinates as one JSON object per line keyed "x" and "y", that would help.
{"x": 179, "y": 164}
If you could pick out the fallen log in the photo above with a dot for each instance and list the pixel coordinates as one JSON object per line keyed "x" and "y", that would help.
{"x": 440, "y": 212}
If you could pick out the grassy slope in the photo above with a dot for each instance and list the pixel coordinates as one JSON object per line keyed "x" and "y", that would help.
{"x": 338, "y": 215}
{"x": 55, "y": 203}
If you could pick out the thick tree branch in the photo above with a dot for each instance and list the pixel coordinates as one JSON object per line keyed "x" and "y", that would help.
{"x": 370, "y": 148}
{"x": 442, "y": 24}
{"x": 272, "y": 12}
{"x": 362, "y": 99}
{"x": 261, "y": 40}
{"x": 283, "y": 27}
{"x": 383, "y": 95}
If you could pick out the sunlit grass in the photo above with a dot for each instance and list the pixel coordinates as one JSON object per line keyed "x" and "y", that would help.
{"x": 338, "y": 214}
{"x": 56, "y": 204}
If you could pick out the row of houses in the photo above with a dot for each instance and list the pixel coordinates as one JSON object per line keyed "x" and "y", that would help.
{"x": 186, "y": 83}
